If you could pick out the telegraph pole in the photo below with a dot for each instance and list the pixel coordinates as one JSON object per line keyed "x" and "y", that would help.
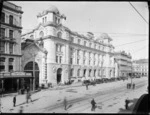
{"x": 33, "y": 72}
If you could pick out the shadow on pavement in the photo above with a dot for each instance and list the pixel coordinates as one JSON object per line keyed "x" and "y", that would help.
{"x": 130, "y": 107}
{"x": 69, "y": 106}
{"x": 26, "y": 102}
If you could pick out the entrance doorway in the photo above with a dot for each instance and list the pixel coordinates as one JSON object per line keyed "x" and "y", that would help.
{"x": 59, "y": 73}
{"x": 29, "y": 69}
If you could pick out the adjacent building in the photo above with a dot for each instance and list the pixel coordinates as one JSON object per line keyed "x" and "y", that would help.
{"x": 55, "y": 54}
{"x": 140, "y": 67}
{"x": 10, "y": 48}
{"x": 123, "y": 64}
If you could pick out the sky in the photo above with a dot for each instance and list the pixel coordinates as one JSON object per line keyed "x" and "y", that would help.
{"x": 119, "y": 20}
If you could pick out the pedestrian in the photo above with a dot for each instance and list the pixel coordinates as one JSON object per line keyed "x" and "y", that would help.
{"x": 27, "y": 97}
{"x": 65, "y": 103}
{"x": 30, "y": 96}
{"x": 93, "y": 103}
{"x": 14, "y": 101}
{"x": 126, "y": 103}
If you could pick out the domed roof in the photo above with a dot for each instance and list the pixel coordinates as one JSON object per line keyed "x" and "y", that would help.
{"x": 52, "y": 9}
{"x": 105, "y": 36}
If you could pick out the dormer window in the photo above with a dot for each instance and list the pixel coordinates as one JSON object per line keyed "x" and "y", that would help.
{"x": 41, "y": 34}
{"x": 59, "y": 35}
{"x": 31, "y": 37}
{"x": 79, "y": 41}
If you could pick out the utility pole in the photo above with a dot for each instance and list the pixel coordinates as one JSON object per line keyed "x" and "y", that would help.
{"x": 33, "y": 72}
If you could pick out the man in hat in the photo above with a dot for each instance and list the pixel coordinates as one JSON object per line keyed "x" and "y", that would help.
{"x": 93, "y": 103}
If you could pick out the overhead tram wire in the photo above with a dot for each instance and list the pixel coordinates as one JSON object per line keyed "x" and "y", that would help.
{"x": 131, "y": 42}
{"x": 133, "y": 34}
{"x": 139, "y": 50}
{"x": 138, "y": 12}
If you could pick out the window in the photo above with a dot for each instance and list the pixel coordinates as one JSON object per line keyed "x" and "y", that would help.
{"x": 11, "y": 61}
{"x": 78, "y": 73}
{"x": 60, "y": 59}
{"x": 90, "y": 44}
{"x": 71, "y": 51}
{"x": 71, "y": 72}
{"x": 11, "y": 20}
{"x": 72, "y": 39}
{"x": 79, "y": 41}
{"x": 41, "y": 34}
{"x": 71, "y": 60}
{"x": 31, "y": 36}
{"x": 2, "y": 47}
{"x": 10, "y": 68}
{"x": 2, "y": 68}
{"x": 83, "y": 61}
{"x": 59, "y": 35}
{"x": 45, "y": 19}
{"x": 78, "y": 52}
{"x": 11, "y": 33}
{"x": 94, "y": 45}
{"x": 84, "y": 43}
{"x": 11, "y": 48}
{"x": 3, "y": 17}
{"x": 77, "y": 61}
{"x": 56, "y": 59}
{"x": 2, "y": 33}
{"x": 2, "y": 59}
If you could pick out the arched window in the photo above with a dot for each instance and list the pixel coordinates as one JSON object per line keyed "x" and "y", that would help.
{"x": 59, "y": 34}
{"x": 31, "y": 36}
{"x": 71, "y": 72}
{"x": 41, "y": 34}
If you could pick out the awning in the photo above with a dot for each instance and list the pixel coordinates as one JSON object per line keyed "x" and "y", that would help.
{"x": 15, "y": 75}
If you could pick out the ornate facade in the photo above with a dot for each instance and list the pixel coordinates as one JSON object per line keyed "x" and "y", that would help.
{"x": 140, "y": 67}
{"x": 124, "y": 64}
{"x": 10, "y": 47}
{"x": 66, "y": 55}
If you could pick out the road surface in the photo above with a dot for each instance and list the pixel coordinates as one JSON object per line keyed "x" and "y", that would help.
{"x": 108, "y": 96}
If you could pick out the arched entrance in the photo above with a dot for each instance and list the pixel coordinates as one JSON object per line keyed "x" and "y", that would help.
{"x": 59, "y": 74}
{"x": 29, "y": 69}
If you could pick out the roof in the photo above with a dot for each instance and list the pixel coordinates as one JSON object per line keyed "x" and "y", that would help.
{"x": 51, "y": 9}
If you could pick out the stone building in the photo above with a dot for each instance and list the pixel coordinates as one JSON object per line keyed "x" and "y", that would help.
{"x": 10, "y": 48}
{"x": 61, "y": 54}
{"x": 140, "y": 67}
{"x": 124, "y": 64}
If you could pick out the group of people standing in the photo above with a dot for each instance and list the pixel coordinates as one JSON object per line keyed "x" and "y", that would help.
{"x": 129, "y": 85}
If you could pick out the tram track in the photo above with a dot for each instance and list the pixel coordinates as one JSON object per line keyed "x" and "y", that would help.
{"x": 85, "y": 98}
